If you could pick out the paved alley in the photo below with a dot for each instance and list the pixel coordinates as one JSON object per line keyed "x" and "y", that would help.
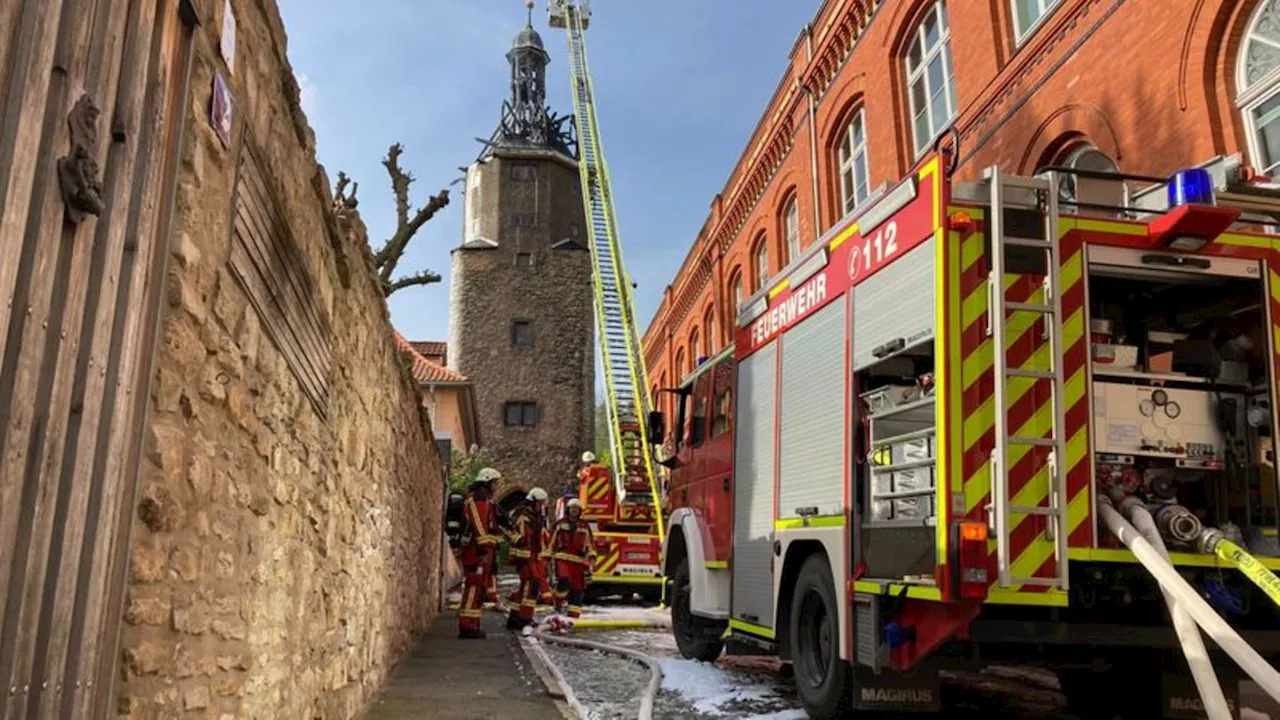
{"x": 453, "y": 679}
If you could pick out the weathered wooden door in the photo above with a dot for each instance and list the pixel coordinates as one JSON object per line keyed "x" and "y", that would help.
{"x": 91, "y": 105}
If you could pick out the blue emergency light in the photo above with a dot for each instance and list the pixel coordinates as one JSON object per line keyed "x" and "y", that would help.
{"x": 1191, "y": 186}
{"x": 1193, "y": 218}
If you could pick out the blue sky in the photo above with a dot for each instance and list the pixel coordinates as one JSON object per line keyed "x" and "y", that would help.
{"x": 680, "y": 85}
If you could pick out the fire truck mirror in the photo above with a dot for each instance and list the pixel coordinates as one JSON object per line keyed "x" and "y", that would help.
{"x": 657, "y": 427}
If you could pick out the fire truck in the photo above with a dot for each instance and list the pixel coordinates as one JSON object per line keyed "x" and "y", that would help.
{"x": 913, "y": 455}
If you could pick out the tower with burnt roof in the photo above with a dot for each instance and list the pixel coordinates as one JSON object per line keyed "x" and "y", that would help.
{"x": 521, "y": 322}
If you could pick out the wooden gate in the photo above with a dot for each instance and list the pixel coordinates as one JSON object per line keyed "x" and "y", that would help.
{"x": 92, "y": 95}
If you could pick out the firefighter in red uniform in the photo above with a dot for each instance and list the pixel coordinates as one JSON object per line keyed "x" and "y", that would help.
{"x": 574, "y": 552}
{"x": 526, "y": 554}
{"x": 480, "y": 543}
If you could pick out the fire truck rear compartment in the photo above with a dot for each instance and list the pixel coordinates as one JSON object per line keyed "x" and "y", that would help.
{"x": 1181, "y": 388}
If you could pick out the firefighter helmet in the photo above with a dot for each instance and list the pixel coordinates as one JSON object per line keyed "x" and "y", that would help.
{"x": 588, "y": 457}
{"x": 488, "y": 475}
{"x": 537, "y": 495}
{"x": 574, "y": 503}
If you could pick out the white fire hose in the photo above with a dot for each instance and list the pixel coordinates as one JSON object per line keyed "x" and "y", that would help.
{"x": 1213, "y": 625}
{"x": 655, "y": 671}
{"x": 1215, "y": 702}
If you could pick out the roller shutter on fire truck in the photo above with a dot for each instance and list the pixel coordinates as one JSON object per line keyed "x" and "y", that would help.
{"x": 753, "y": 488}
{"x": 811, "y": 417}
{"x": 897, "y": 302}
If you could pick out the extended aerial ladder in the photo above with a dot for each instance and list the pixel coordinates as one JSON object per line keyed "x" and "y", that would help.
{"x": 626, "y": 385}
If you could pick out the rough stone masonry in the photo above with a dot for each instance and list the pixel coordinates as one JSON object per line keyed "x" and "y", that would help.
{"x": 281, "y": 560}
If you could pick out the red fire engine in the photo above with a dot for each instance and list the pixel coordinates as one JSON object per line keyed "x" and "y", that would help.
{"x": 844, "y": 495}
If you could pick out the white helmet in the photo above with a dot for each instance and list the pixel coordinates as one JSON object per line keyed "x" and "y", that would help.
{"x": 537, "y": 495}
{"x": 588, "y": 457}
{"x": 488, "y": 475}
{"x": 573, "y": 503}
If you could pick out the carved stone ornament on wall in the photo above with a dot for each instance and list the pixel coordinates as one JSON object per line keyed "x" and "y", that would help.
{"x": 78, "y": 172}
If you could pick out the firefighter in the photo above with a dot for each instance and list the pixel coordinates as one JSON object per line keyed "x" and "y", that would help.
{"x": 526, "y": 554}
{"x": 479, "y": 544}
{"x": 573, "y": 549}
{"x": 570, "y": 492}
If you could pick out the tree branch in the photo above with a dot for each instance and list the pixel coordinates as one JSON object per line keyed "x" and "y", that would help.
{"x": 425, "y": 277}
{"x": 341, "y": 200}
{"x": 389, "y": 256}
{"x": 400, "y": 182}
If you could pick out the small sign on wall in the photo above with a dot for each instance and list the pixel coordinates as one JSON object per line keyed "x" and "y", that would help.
{"x": 228, "y": 44}
{"x": 220, "y": 110}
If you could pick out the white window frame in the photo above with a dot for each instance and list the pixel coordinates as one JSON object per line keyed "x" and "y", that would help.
{"x": 919, "y": 73}
{"x": 1252, "y": 96}
{"x": 1045, "y": 9}
{"x": 709, "y": 320}
{"x": 737, "y": 288}
{"x": 849, "y": 155}
{"x": 791, "y": 229}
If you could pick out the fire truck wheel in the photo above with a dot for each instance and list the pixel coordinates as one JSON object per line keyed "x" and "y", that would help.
{"x": 698, "y": 638}
{"x": 823, "y": 680}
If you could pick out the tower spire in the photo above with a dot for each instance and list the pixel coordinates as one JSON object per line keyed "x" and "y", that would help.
{"x": 526, "y": 120}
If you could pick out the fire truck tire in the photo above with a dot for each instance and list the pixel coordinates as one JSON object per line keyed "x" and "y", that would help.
{"x": 698, "y": 638}
{"x": 823, "y": 680}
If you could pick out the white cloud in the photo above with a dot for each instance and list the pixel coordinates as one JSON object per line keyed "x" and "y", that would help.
{"x": 307, "y": 91}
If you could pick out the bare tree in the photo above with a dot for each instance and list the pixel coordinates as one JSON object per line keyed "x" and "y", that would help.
{"x": 386, "y": 258}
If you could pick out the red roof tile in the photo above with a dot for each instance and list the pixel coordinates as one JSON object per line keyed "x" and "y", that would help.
{"x": 424, "y": 370}
{"x": 432, "y": 349}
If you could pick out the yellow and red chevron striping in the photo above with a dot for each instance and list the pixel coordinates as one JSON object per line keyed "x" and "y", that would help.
{"x": 607, "y": 562}
{"x": 1029, "y": 400}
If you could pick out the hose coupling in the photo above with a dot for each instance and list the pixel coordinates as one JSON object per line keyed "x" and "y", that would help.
{"x": 1178, "y": 524}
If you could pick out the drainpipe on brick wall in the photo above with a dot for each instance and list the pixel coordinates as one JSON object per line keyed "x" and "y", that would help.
{"x": 813, "y": 136}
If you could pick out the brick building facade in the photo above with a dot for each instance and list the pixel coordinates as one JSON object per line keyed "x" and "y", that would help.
{"x": 1147, "y": 87}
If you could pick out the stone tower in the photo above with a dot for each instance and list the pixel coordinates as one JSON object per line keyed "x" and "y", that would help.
{"x": 521, "y": 319}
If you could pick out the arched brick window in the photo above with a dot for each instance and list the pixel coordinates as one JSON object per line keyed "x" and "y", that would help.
{"x": 851, "y": 159}
{"x": 694, "y": 349}
{"x": 931, "y": 87}
{"x": 1258, "y": 85}
{"x": 712, "y": 342}
{"x": 681, "y": 370}
{"x": 790, "y": 230}
{"x": 760, "y": 262}
{"x": 736, "y": 291}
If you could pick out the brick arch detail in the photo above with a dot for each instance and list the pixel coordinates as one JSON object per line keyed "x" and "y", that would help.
{"x": 1074, "y": 120}
{"x": 1222, "y": 34}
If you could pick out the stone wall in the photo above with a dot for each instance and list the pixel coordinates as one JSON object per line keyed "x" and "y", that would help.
{"x": 540, "y": 274}
{"x": 281, "y": 562}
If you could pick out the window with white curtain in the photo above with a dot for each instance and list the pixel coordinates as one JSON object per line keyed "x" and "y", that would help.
{"x": 931, "y": 77}
{"x": 854, "y": 185}
{"x": 1258, "y": 85}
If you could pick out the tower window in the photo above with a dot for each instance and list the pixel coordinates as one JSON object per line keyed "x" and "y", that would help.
{"x": 520, "y": 414}
{"x": 522, "y": 334}
{"x": 524, "y": 259}
{"x": 524, "y": 172}
{"x": 526, "y": 219}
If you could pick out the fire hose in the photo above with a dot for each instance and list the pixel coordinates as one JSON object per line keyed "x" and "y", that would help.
{"x": 1212, "y": 541}
{"x": 1215, "y": 701}
{"x": 1213, "y": 625}
{"x": 655, "y": 671}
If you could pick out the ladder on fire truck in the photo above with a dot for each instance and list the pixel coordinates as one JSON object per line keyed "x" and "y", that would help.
{"x": 626, "y": 386}
{"x": 1040, "y": 196}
